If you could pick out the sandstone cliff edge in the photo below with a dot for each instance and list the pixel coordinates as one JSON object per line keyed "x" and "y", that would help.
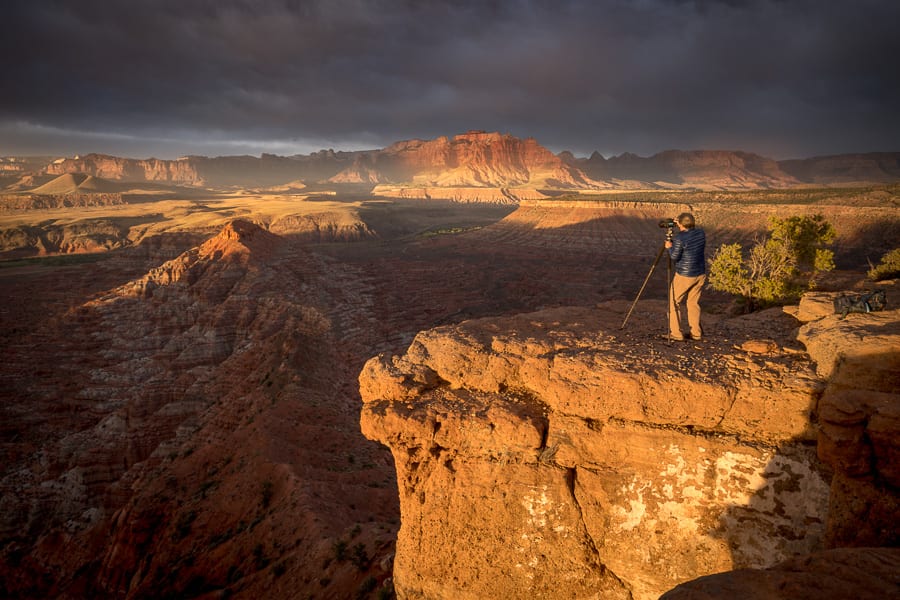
{"x": 553, "y": 454}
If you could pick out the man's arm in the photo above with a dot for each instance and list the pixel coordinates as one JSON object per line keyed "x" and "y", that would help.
{"x": 675, "y": 248}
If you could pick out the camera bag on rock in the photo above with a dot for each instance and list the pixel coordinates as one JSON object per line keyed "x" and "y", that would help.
{"x": 860, "y": 303}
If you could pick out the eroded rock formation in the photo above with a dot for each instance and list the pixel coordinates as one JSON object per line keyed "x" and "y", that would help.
{"x": 554, "y": 455}
{"x": 188, "y": 431}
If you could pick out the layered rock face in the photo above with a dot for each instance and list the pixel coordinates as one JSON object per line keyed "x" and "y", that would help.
{"x": 128, "y": 169}
{"x": 553, "y": 454}
{"x": 473, "y": 159}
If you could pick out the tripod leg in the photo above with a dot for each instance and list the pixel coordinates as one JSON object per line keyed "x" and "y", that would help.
{"x": 671, "y": 287}
{"x": 646, "y": 279}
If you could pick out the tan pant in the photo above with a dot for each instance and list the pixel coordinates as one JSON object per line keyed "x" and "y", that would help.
{"x": 685, "y": 288}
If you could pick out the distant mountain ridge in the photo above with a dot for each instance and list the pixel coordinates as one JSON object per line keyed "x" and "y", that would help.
{"x": 695, "y": 168}
{"x": 221, "y": 171}
{"x": 881, "y": 167}
{"x": 479, "y": 159}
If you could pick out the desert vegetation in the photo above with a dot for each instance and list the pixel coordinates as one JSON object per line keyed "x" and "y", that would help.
{"x": 887, "y": 268}
{"x": 778, "y": 267}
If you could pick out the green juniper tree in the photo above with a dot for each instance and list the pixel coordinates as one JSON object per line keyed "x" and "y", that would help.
{"x": 888, "y": 268}
{"x": 777, "y": 268}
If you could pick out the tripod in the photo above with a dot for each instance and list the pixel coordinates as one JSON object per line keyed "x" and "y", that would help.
{"x": 668, "y": 285}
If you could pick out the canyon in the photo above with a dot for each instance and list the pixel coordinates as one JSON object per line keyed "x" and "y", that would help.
{"x": 362, "y": 388}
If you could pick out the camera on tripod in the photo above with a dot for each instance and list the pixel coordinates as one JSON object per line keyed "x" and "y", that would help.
{"x": 669, "y": 224}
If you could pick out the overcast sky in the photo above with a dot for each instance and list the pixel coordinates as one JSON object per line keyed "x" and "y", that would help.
{"x": 164, "y": 78}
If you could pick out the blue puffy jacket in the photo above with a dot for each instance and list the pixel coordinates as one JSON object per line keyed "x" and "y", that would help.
{"x": 689, "y": 252}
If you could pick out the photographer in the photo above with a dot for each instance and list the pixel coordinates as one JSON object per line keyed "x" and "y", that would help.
{"x": 688, "y": 250}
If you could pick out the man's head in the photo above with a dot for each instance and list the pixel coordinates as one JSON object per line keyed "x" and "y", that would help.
{"x": 686, "y": 220}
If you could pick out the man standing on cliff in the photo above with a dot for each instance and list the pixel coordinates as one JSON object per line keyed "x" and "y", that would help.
{"x": 688, "y": 250}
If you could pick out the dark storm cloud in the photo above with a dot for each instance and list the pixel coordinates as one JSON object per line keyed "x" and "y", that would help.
{"x": 783, "y": 78}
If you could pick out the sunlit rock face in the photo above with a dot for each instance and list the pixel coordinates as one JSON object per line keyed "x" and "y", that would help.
{"x": 473, "y": 159}
{"x": 554, "y": 454}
